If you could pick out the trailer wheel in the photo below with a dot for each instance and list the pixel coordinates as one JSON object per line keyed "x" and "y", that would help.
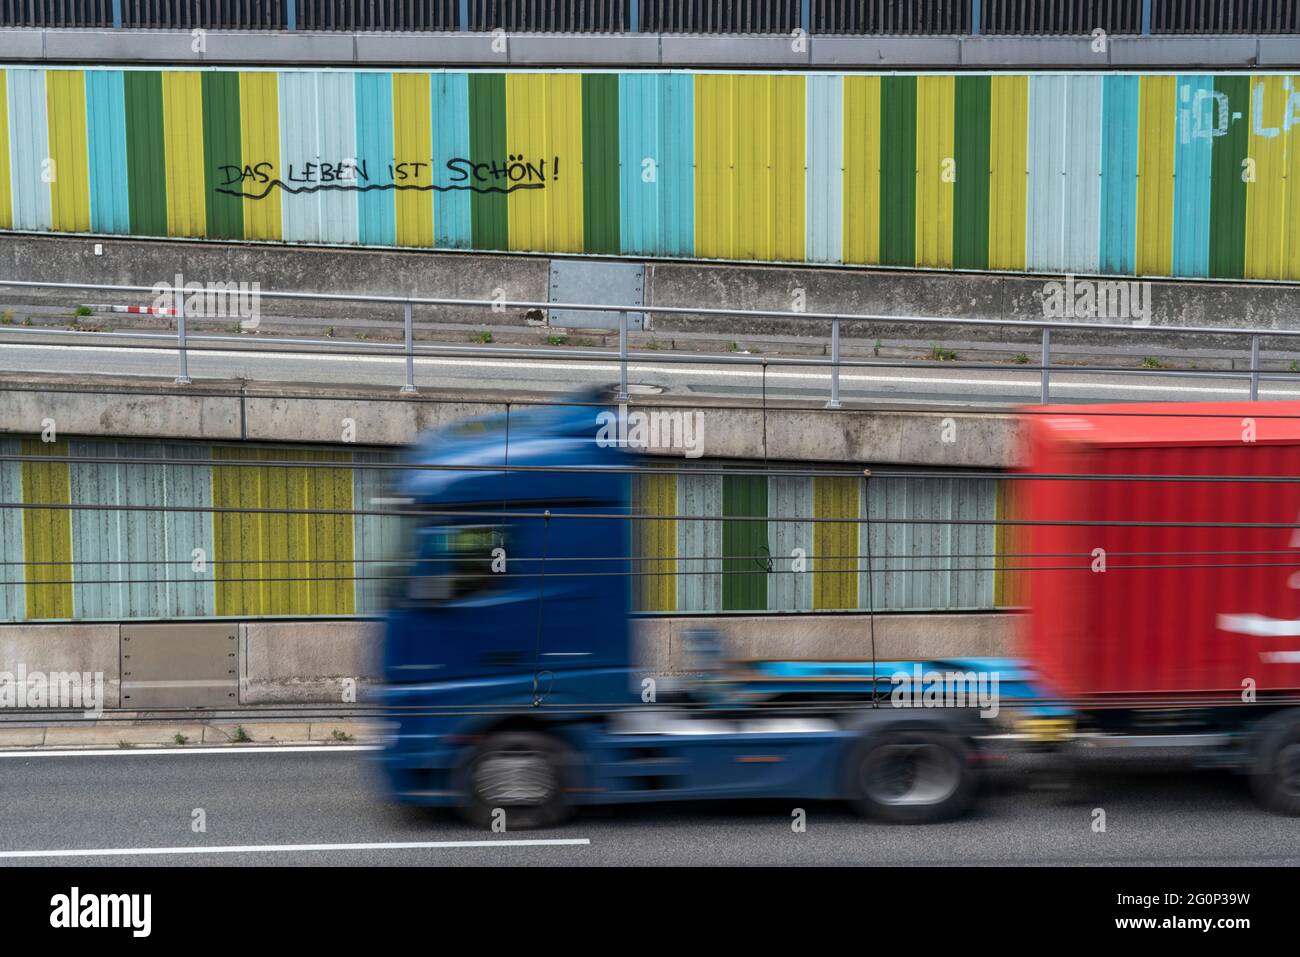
{"x": 912, "y": 777}
{"x": 521, "y": 775}
{"x": 1276, "y": 774}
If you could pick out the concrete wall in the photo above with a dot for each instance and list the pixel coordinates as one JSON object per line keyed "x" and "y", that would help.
{"x": 312, "y": 662}
{"x": 624, "y": 50}
{"x": 733, "y": 429}
{"x": 526, "y": 278}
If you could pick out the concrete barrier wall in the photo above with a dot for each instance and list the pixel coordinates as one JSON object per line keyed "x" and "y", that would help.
{"x": 323, "y": 662}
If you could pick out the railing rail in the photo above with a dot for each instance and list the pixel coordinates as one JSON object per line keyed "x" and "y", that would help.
{"x": 833, "y": 320}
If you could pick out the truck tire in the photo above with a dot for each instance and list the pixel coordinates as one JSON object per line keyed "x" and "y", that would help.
{"x": 521, "y": 774}
{"x": 1275, "y": 776}
{"x": 914, "y": 776}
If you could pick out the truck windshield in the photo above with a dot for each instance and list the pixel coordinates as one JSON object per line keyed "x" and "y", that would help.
{"x": 454, "y": 562}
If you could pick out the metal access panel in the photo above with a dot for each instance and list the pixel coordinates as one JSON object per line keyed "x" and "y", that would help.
{"x": 580, "y": 281}
{"x": 181, "y": 665}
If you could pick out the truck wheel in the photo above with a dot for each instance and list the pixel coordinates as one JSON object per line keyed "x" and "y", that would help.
{"x": 1276, "y": 774}
{"x": 912, "y": 777}
{"x": 521, "y": 774}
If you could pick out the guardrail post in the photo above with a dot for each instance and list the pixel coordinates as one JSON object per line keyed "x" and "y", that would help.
{"x": 622, "y": 357}
{"x": 1254, "y": 368}
{"x": 117, "y": 14}
{"x": 1046, "y": 391}
{"x": 291, "y": 13}
{"x": 974, "y": 18}
{"x": 409, "y": 331}
{"x": 834, "y": 403}
{"x": 183, "y": 378}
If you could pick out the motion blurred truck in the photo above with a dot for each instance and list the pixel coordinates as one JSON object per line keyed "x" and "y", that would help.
{"x": 1160, "y": 544}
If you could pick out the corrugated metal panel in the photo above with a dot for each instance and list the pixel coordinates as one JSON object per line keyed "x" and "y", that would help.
{"x": 413, "y": 145}
{"x": 1155, "y": 195}
{"x": 450, "y": 128}
{"x": 862, "y": 169}
{"x": 106, "y": 146}
{"x": 1081, "y": 175}
{"x": 145, "y": 153}
{"x": 1267, "y": 193}
{"x": 376, "y": 208}
{"x": 489, "y": 207}
{"x": 6, "y": 199}
{"x": 601, "y": 231}
{"x": 544, "y": 113}
{"x": 1119, "y": 152}
{"x": 715, "y": 164}
{"x": 898, "y": 170}
{"x": 259, "y": 134}
{"x": 745, "y": 557}
{"x": 65, "y": 92}
{"x": 300, "y": 143}
{"x": 29, "y": 150}
{"x": 1045, "y": 205}
{"x": 377, "y": 538}
{"x": 183, "y": 145}
{"x": 140, "y": 564}
{"x": 699, "y": 544}
{"x": 654, "y": 543}
{"x": 13, "y": 605}
{"x": 935, "y": 170}
{"x": 922, "y": 558}
{"x": 972, "y": 154}
{"x": 223, "y": 155}
{"x": 1227, "y": 181}
{"x": 1008, "y": 170}
{"x": 657, "y": 163}
{"x": 47, "y": 532}
{"x": 790, "y": 543}
{"x": 835, "y": 543}
{"x": 824, "y": 176}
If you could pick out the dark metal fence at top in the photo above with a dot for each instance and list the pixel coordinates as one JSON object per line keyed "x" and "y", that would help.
{"x": 897, "y": 17}
{"x": 734, "y": 16}
{"x": 551, "y": 16}
{"x": 825, "y": 17}
{"x": 363, "y": 15}
{"x": 1074, "y": 17}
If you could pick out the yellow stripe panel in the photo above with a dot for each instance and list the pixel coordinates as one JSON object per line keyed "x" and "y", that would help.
{"x": 259, "y": 126}
{"x": 544, "y": 124}
{"x": 257, "y": 552}
{"x": 1009, "y": 170}
{"x": 862, "y": 169}
{"x": 47, "y": 532}
{"x": 1009, "y": 543}
{"x": 65, "y": 103}
{"x": 935, "y": 105}
{"x": 750, "y": 157}
{"x": 655, "y": 543}
{"x": 1157, "y": 118}
{"x": 1291, "y": 217}
{"x": 413, "y": 142}
{"x": 835, "y": 580}
{"x": 6, "y": 199}
{"x": 1267, "y": 196}
{"x": 183, "y": 148}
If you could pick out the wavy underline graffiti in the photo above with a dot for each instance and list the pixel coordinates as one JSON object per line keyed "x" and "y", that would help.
{"x": 353, "y": 175}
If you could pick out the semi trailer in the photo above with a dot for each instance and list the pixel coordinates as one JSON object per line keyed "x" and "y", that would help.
{"x": 1162, "y": 612}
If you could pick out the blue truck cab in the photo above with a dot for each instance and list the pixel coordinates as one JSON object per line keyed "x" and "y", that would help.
{"x": 510, "y": 676}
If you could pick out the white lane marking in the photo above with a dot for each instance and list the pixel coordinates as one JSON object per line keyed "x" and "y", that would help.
{"x": 690, "y": 369}
{"x": 127, "y": 752}
{"x": 291, "y": 848}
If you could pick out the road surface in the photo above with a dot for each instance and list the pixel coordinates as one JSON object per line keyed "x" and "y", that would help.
{"x": 267, "y": 807}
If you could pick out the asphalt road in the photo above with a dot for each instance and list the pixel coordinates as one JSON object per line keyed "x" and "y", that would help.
{"x": 271, "y": 804}
{"x": 945, "y": 383}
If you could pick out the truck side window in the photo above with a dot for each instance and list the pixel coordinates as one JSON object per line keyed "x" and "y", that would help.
{"x": 456, "y": 562}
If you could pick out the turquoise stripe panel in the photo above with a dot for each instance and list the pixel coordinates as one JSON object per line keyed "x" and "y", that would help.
{"x": 449, "y": 99}
{"x": 376, "y": 209}
{"x": 657, "y": 171}
{"x": 29, "y": 148}
{"x": 138, "y": 563}
{"x": 1119, "y": 156}
{"x": 106, "y": 145}
{"x": 1193, "y": 150}
{"x": 824, "y": 165}
{"x": 1081, "y": 201}
{"x": 1045, "y": 202}
{"x": 13, "y": 602}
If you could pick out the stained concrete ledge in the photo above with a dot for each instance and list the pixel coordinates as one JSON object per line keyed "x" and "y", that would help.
{"x": 65, "y": 648}
{"x": 302, "y": 662}
{"x": 731, "y": 428}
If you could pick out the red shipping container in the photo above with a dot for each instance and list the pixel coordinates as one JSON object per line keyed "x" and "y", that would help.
{"x": 1179, "y": 608}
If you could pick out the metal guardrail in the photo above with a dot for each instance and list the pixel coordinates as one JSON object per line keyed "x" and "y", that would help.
{"x": 772, "y": 17}
{"x": 835, "y": 362}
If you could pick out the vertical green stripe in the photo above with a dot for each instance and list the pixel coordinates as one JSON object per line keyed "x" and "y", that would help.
{"x": 145, "y": 158}
{"x": 1227, "y": 188}
{"x": 221, "y": 148}
{"x": 47, "y": 532}
{"x": 600, "y": 185}
{"x": 970, "y": 212}
{"x": 898, "y": 170}
{"x": 487, "y": 144}
{"x": 744, "y": 544}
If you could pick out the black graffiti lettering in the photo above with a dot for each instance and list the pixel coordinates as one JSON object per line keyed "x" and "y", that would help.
{"x": 460, "y": 169}
{"x": 514, "y": 172}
